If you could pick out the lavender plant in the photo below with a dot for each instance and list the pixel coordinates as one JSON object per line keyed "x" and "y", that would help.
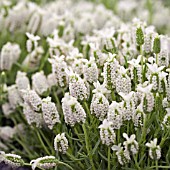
{"x": 81, "y": 88}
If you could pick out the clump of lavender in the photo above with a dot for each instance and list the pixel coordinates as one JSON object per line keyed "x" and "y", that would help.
{"x": 82, "y": 77}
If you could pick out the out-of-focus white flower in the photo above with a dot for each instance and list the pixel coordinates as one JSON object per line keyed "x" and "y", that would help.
{"x": 146, "y": 96}
{"x": 32, "y": 116}
{"x": 6, "y": 133}
{"x": 14, "y": 97}
{"x": 10, "y": 53}
{"x": 39, "y": 83}
{"x": 128, "y": 109}
{"x": 32, "y": 41}
{"x": 51, "y": 79}
{"x": 127, "y": 97}
{"x": 22, "y": 82}
{"x": 7, "y": 110}
{"x": 35, "y": 21}
{"x": 13, "y": 160}
{"x": 32, "y": 60}
{"x": 135, "y": 62}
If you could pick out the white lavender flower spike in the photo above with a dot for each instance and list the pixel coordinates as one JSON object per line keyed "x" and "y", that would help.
{"x": 61, "y": 143}
{"x": 50, "y": 113}
{"x": 154, "y": 149}
{"x": 131, "y": 145}
{"x": 72, "y": 110}
{"x": 45, "y": 162}
{"x": 107, "y": 133}
{"x": 13, "y": 160}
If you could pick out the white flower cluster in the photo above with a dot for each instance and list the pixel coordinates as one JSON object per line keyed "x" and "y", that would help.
{"x": 7, "y": 132}
{"x": 99, "y": 106}
{"x": 28, "y": 16}
{"x": 59, "y": 67}
{"x": 90, "y": 71}
{"x": 110, "y": 71}
{"x": 146, "y": 97}
{"x": 131, "y": 147}
{"x": 166, "y": 120}
{"x": 39, "y": 83}
{"x": 10, "y": 53}
{"x": 115, "y": 114}
{"x": 72, "y": 110}
{"x": 22, "y": 82}
{"x": 45, "y": 162}
{"x": 35, "y": 52}
{"x": 61, "y": 143}
{"x": 14, "y": 97}
{"x": 107, "y": 133}
{"x": 120, "y": 69}
{"x": 11, "y": 159}
{"x": 77, "y": 87}
{"x": 154, "y": 149}
{"x": 50, "y": 113}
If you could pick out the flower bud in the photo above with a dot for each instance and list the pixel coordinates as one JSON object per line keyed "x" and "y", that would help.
{"x": 139, "y": 36}
{"x": 157, "y": 45}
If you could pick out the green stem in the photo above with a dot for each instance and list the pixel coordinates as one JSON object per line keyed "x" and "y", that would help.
{"x": 128, "y": 126}
{"x": 73, "y": 158}
{"x": 56, "y": 98}
{"x": 143, "y": 130}
{"x": 156, "y": 58}
{"x": 162, "y": 167}
{"x": 118, "y": 136}
{"x": 108, "y": 157}
{"x": 136, "y": 162}
{"x": 164, "y": 139}
{"x": 42, "y": 143}
{"x": 88, "y": 147}
{"x": 141, "y": 52}
{"x": 44, "y": 61}
{"x": 47, "y": 141}
{"x": 156, "y": 163}
{"x": 87, "y": 110}
{"x": 68, "y": 166}
{"x": 25, "y": 147}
